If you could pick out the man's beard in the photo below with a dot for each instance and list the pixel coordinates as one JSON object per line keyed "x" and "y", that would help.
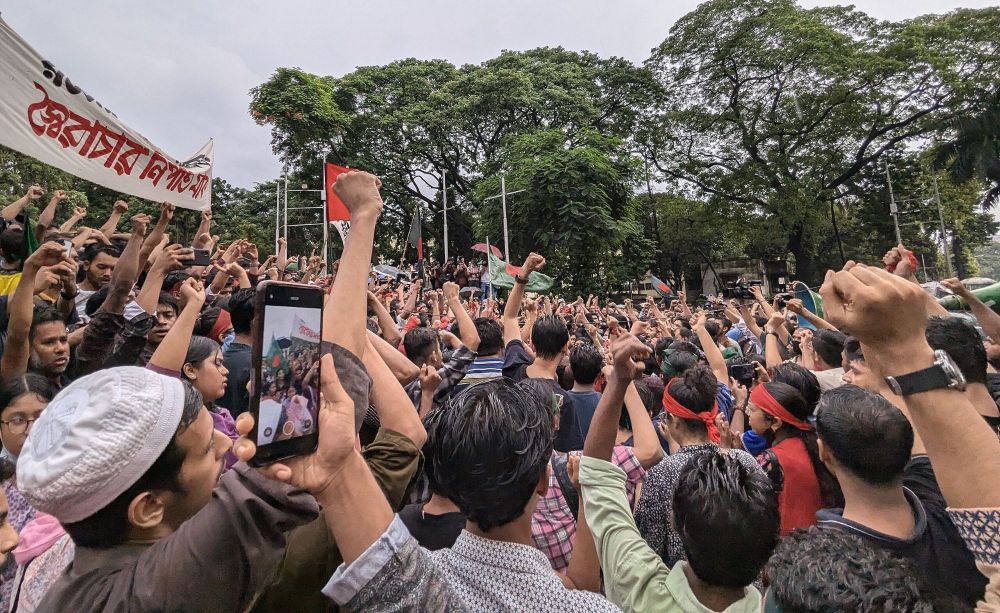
{"x": 35, "y": 364}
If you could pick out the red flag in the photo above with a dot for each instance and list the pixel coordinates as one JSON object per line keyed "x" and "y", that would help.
{"x": 335, "y": 209}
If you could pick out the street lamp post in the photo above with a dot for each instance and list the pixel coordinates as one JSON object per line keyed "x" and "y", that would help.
{"x": 503, "y": 207}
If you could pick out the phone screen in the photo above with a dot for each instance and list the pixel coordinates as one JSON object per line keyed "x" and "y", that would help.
{"x": 286, "y": 390}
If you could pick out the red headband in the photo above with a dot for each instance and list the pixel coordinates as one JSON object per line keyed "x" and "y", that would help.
{"x": 670, "y": 405}
{"x": 766, "y": 402}
{"x": 223, "y": 323}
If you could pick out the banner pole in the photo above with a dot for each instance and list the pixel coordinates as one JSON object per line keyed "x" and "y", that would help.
{"x": 326, "y": 218}
{"x": 489, "y": 265}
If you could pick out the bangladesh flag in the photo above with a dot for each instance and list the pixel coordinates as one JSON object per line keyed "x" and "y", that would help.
{"x": 661, "y": 286}
{"x": 276, "y": 357}
{"x": 503, "y": 273}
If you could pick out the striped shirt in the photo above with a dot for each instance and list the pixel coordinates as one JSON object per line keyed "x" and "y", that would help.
{"x": 483, "y": 369}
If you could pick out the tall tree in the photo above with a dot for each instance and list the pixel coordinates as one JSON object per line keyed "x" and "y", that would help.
{"x": 412, "y": 120}
{"x": 577, "y": 209}
{"x": 776, "y": 109}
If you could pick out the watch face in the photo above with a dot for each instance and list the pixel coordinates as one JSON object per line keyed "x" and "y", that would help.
{"x": 956, "y": 379}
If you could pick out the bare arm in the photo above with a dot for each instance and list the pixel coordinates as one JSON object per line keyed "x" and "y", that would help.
{"x": 78, "y": 214}
{"x": 346, "y": 311}
{"x": 14, "y": 209}
{"x": 711, "y": 349}
{"x": 511, "y": 330}
{"x": 172, "y": 350}
{"x": 116, "y": 214}
{"x": 20, "y": 309}
{"x": 156, "y": 236}
{"x": 127, "y": 269}
{"x": 402, "y": 368}
{"x": 48, "y": 214}
{"x": 394, "y": 407}
{"x": 987, "y": 318}
{"x": 795, "y": 306}
{"x": 646, "y": 445}
{"x": 389, "y": 331}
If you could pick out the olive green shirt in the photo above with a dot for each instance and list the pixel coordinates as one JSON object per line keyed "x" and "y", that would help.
{"x": 312, "y": 556}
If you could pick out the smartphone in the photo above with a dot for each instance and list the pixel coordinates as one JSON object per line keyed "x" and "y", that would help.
{"x": 201, "y": 258}
{"x": 744, "y": 373}
{"x": 68, "y": 246}
{"x": 284, "y": 398}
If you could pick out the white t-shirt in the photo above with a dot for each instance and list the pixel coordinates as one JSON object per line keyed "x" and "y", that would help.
{"x": 81, "y": 303}
{"x": 829, "y": 379}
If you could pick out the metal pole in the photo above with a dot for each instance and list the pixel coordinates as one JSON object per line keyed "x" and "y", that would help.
{"x": 323, "y": 218}
{"x": 285, "y": 230}
{"x": 277, "y": 213}
{"x": 893, "y": 209}
{"x": 444, "y": 192}
{"x": 944, "y": 234}
{"x": 489, "y": 267}
{"x": 503, "y": 204}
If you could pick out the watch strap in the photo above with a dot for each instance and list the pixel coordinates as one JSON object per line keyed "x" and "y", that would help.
{"x": 930, "y": 378}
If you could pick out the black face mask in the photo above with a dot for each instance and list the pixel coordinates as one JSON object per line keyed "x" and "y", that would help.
{"x": 796, "y": 347}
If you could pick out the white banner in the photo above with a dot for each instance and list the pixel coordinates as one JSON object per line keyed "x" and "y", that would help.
{"x": 43, "y": 114}
{"x": 301, "y": 331}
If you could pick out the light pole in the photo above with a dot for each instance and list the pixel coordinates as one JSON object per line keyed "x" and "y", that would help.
{"x": 444, "y": 196}
{"x": 503, "y": 207}
{"x": 277, "y": 211}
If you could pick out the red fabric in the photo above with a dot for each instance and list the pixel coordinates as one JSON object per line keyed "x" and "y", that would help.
{"x": 670, "y": 405}
{"x": 513, "y": 271}
{"x": 766, "y": 402}
{"x": 335, "y": 208}
{"x": 913, "y": 263}
{"x": 223, "y": 323}
{"x": 800, "y": 496}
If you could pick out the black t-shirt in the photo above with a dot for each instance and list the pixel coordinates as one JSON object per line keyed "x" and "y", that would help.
{"x": 237, "y": 361}
{"x": 432, "y": 531}
{"x": 515, "y": 366}
{"x": 936, "y": 548}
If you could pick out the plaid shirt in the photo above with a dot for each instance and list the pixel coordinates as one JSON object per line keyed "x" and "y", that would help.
{"x": 552, "y": 526}
{"x": 451, "y": 375}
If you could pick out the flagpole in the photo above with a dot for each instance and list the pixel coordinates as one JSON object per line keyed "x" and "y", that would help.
{"x": 489, "y": 266}
{"x": 326, "y": 219}
{"x": 503, "y": 205}
{"x": 444, "y": 195}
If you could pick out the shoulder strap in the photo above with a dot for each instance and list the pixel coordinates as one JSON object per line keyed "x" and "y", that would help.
{"x": 772, "y": 468}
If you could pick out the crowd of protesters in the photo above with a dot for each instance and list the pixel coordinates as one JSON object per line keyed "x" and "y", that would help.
{"x": 529, "y": 453}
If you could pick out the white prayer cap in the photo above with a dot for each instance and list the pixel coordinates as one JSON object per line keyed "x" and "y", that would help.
{"x": 96, "y": 438}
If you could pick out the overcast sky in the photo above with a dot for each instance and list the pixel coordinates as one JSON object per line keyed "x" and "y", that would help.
{"x": 180, "y": 72}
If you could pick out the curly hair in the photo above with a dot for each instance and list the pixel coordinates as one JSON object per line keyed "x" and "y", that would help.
{"x": 818, "y": 570}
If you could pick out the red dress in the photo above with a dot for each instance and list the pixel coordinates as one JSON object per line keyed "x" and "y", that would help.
{"x": 799, "y": 495}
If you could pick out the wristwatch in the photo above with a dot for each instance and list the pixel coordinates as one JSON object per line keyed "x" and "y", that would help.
{"x": 944, "y": 373}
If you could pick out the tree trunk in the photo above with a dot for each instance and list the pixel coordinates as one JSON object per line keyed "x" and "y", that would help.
{"x": 805, "y": 263}
{"x": 958, "y": 260}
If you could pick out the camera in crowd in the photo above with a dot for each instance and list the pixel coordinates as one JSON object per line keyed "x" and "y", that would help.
{"x": 741, "y": 289}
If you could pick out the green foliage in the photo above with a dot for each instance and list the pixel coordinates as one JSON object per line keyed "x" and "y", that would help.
{"x": 780, "y": 109}
{"x": 577, "y": 208}
{"x": 411, "y": 120}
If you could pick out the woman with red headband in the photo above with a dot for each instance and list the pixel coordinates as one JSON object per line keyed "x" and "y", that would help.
{"x": 689, "y": 416}
{"x": 779, "y": 413}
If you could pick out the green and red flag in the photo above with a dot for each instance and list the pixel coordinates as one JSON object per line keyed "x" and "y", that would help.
{"x": 661, "y": 286}
{"x": 503, "y": 273}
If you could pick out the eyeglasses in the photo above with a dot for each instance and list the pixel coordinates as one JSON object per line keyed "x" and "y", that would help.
{"x": 18, "y": 425}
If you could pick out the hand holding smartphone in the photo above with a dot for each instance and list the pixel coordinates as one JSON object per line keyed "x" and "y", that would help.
{"x": 286, "y": 353}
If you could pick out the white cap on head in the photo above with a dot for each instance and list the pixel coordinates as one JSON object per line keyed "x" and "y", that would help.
{"x": 96, "y": 439}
